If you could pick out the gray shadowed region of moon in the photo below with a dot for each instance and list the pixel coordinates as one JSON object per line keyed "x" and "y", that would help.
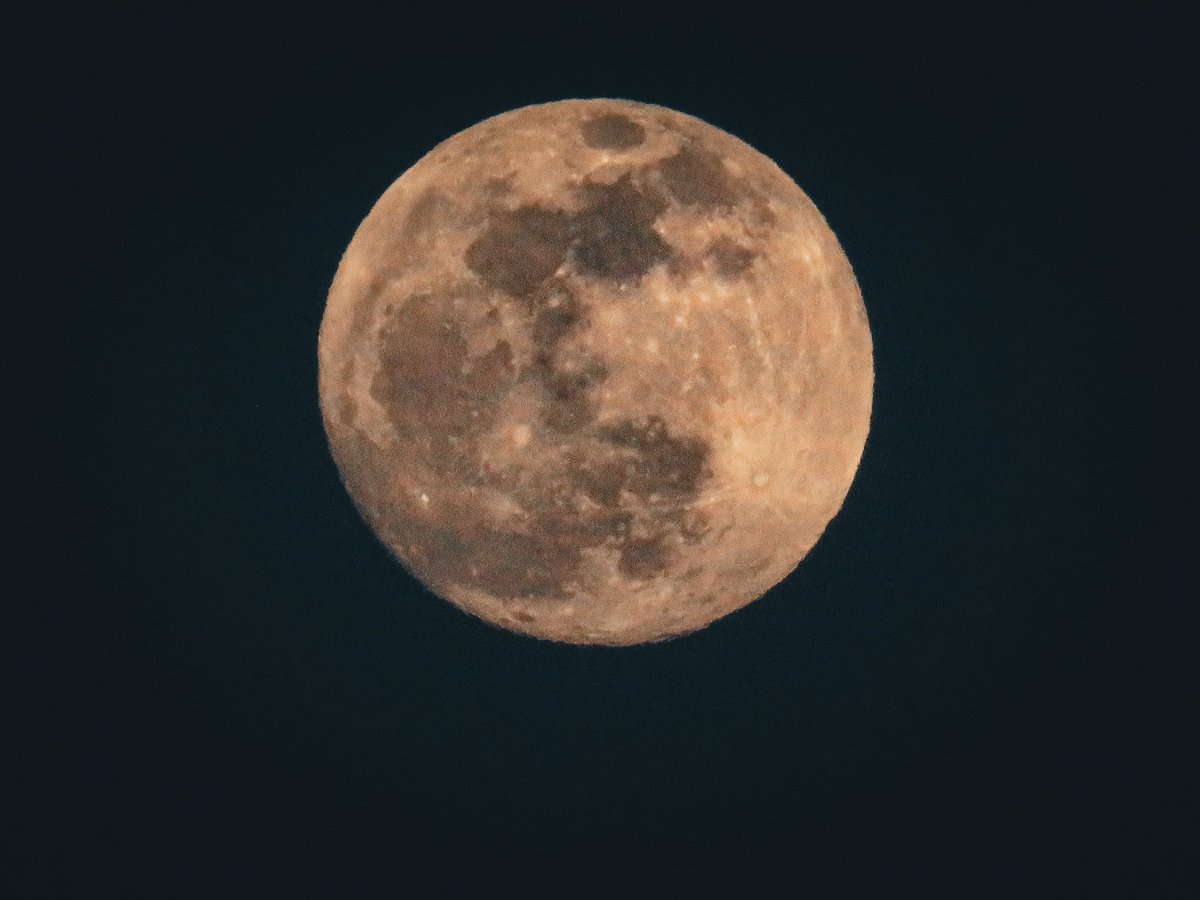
{"x": 596, "y": 371}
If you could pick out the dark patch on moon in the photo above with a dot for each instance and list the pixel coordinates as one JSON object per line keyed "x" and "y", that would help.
{"x": 694, "y": 526}
{"x": 506, "y": 563}
{"x": 520, "y": 248}
{"x": 600, "y": 478}
{"x": 426, "y": 214}
{"x": 729, "y": 258}
{"x": 763, "y": 215}
{"x": 469, "y": 496}
{"x": 642, "y": 466}
{"x": 495, "y": 188}
{"x": 614, "y": 234}
{"x": 626, "y": 485}
{"x": 612, "y": 131}
{"x": 556, "y": 313}
{"x": 643, "y": 557}
{"x": 697, "y": 178}
{"x": 566, "y": 380}
{"x": 349, "y": 404}
{"x": 441, "y": 399}
{"x": 569, "y": 405}
{"x": 640, "y": 477}
{"x": 660, "y": 464}
{"x": 611, "y": 238}
{"x": 426, "y": 377}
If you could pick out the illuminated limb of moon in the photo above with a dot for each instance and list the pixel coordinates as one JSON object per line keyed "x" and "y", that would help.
{"x": 596, "y": 371}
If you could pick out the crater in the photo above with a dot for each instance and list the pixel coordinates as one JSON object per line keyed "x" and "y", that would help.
{"x": 614, "y": 236}
{"x": 697, "y": 178}
{"x": 612, "y": 131}
{"x": 643, "y": 557}
{"x": 520, "y": 248}
{"x": 730, "y": 259}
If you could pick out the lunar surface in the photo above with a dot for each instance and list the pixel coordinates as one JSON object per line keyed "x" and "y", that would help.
{"x": 596, "y": 371}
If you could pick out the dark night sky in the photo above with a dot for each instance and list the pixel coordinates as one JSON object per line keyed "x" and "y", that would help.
{"x": 976, "y": 681}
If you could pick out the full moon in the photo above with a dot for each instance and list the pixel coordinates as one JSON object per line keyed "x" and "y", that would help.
{"x": 596, "y": 371}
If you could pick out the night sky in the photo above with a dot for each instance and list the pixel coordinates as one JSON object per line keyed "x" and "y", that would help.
{"x": 975, "y": 683}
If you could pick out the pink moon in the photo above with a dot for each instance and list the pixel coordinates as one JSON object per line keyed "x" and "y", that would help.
{"x": 596, "y": 371}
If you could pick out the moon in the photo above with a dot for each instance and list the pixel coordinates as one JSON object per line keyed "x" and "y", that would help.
{"x": 596, "y": 371}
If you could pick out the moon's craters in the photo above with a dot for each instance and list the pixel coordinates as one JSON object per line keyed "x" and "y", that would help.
{"x": 614, "y": 233}
{"x": 426, "y": 378}
{"x": 520, "y": 248}
{"x": 697, "y": 178}
{"x": 729, "y": 258}
{"x": 625, "y": 484}
{"x": 558, "y": 399}
{"x": 566, "y": 377}
{"x": 611, "y": 237}
{"x": 612, "y": 131}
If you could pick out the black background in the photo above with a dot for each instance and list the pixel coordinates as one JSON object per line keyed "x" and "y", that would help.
{"x": 976, "y": 682}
